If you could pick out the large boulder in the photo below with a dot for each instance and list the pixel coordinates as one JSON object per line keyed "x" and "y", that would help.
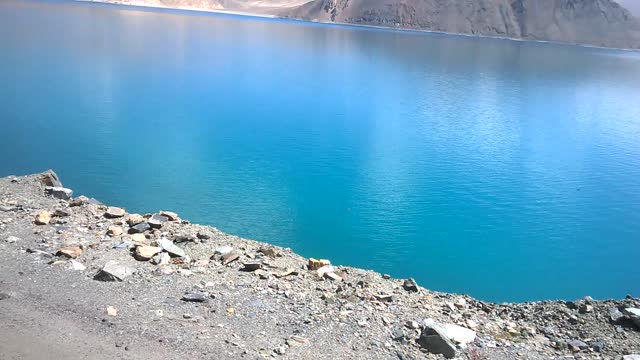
{"x": 434, "y": 339}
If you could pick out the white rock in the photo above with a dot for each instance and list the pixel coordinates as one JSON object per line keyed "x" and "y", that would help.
{"x": 76, "y": 265}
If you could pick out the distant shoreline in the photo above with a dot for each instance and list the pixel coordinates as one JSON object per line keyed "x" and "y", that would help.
{"x": 341, "y": 24}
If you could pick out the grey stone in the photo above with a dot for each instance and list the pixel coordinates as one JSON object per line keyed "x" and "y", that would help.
{"x": 631, "y": 357}
{"x": 410, "y": 285}
{"x": 59, "y": 192}
{"x": 139, "y": 228}
{"x": 577, "y": 344}
{"x": 12, "y": 239}
{"x": 168, "y": 246}
{"x": 157, "y": 220}
{"x": 7, "y": 208}
{"x": 433, "y": 339}
{"x": 397, "y": 334}
{"x": 597, "y": 346}
{"x": 615, "y": 315}
{"x": 4, "y": 296}
{"x": 113, "y": 271}
{"x": 195, "y": 296}
{"x": 50, "y": 178}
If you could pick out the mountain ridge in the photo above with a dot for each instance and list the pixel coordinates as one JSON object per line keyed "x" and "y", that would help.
{"x": 602, "y": 23}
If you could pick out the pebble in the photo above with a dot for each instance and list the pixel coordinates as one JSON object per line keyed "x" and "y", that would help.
{"x": 195, "y": 297}
{"x": 71, "y": 252}
{"x": 43, "y": 218}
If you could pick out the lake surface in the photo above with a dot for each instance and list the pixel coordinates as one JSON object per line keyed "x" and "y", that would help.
{"x": 506, "y": 170}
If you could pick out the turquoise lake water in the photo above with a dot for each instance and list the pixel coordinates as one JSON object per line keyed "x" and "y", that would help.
{"x": 506, "y": 170}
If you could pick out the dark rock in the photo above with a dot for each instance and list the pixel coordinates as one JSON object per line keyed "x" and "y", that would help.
{"x": 157, "y": 220}
{"x": 113, "y": 271}
{"x": 139, "y": 228}
{"x": 410, "y": 285}
{"x": 573, "y": 305}
{"x": 168, "y": 246}
{"x": 4, "y": 296}
{"x": 59, "y": 192}
{"x": 268, "y": 251}
{"x": 252, "y": 266}
{"x": 433, "y": 339}
{"x": 196, "y": 297}
{"x": 50, "y": 178}
{"x": 203, "y": 235}
{"x": 634, "y": 315}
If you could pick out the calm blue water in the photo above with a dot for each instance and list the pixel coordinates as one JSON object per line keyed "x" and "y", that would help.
{"x": 506, "y": 170}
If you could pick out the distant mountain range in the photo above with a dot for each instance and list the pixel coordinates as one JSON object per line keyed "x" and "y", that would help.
{"x": 603, "y": 23}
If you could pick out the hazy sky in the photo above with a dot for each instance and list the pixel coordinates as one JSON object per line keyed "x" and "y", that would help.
{"x": 632, "y": 5}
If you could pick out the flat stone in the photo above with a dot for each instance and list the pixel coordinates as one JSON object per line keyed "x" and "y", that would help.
{"x": 115, "y": 230}
{"x": 139, "y": 228}
{"x": 59, "y": 192}
{"x": 459, "y": 334}
{"x": 168, "y": 246}
{"x": 139, "y": 238}
{"x": 145, "y": 253}
{"x": 171, "y": 216}
{"x": 134, "y": 219}
{"x": 70, "y": 252}
{"x": 228, "y": 258}
{"x": 385, "y": 298}
{"x": 263, "y": 274}
{"x": 50, "y": 178}
{"x": 196, "y": 297}
{"x": 287, "y": 272}
{"x": 433, "y": 339}
{"x": 156, "y": 221}
{"x": 114, "y": 212}
{"x": 43, "y": 218}
{"x": 223, "y": 250}
{"x": 631, "y": 357}
{"x": 161, "y": 259}
{"x": 114, "y": 271}
{"x": 8, "y": 208}
{"x": 268, "y": 251}
{"x": 410, "y": 285}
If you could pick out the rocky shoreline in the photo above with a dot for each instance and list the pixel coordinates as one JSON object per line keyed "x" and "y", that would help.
{"x": 157, "y": 282}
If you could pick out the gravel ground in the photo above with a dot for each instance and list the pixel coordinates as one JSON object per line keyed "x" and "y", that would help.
{"x": 265, "y": 302}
